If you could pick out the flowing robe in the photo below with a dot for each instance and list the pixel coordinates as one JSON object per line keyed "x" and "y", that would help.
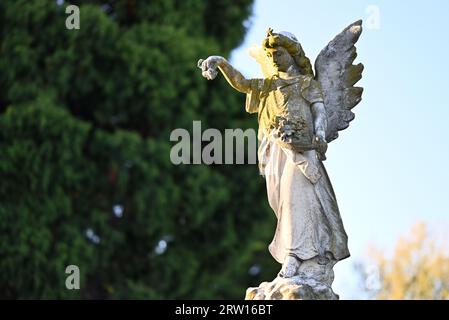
{"x": 299, "y": 190}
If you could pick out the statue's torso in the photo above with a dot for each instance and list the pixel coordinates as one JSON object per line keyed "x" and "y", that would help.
{"x": 285, "y": 107}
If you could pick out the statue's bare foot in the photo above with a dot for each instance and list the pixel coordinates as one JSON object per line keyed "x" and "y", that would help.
{"x": 289, "y": 267}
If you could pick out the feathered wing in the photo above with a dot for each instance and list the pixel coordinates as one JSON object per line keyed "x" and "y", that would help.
{"x": 337, "y": 77}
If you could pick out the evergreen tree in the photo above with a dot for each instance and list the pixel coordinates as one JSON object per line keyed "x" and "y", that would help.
{"x": 86, "y": 178}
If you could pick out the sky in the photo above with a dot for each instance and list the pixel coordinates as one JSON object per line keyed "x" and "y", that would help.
{"x": 389, "y": 169}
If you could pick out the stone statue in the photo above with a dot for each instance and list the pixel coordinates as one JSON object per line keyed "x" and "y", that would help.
{"x": 299, "y": 113}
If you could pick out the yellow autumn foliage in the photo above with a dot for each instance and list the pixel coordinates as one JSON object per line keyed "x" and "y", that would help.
{"x": 418, "y": 268}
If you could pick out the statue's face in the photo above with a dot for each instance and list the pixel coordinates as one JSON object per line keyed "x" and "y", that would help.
{"x": 280, "y": 58}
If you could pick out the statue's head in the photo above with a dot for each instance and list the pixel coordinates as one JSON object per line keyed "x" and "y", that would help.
{"x": 284, "y": 50}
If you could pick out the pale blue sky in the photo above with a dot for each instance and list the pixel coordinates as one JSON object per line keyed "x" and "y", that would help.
{"x": 389, "y": 168}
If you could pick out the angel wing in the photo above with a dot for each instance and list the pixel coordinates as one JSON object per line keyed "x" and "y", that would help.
{"x": 337, "y": 75}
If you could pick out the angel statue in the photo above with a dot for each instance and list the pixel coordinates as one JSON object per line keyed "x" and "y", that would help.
{"x": 299, "y": 112}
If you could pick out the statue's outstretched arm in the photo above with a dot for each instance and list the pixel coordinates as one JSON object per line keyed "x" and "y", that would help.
{"x": 232, "y": 75}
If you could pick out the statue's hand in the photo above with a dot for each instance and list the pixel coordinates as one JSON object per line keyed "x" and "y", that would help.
{"x": 209, "y": 66}
{"x": 320, "y": 146}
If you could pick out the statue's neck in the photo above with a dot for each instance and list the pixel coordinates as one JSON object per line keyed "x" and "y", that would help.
{"x": 292, "y": 71}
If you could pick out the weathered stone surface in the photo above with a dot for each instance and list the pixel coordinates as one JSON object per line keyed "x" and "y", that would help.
{"x": 295, "y": 288}
{"x": 312, "y": 281}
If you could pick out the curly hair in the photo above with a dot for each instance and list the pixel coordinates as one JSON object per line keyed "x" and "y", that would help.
{"x": 293, "y": 47}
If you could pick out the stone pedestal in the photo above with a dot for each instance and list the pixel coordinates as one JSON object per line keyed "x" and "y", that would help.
{"x": 312, "y": 282}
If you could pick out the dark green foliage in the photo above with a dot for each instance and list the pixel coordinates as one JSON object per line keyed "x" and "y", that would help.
{"x": 85, "y": 119}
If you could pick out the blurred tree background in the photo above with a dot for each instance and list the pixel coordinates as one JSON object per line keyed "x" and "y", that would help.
{"x": 86, "y": 179}
{"x": 417, "y": 270}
